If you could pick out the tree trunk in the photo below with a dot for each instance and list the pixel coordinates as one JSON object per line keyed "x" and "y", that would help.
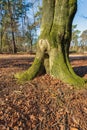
{"x": 13, "y": 42}
{"x": 1, "y": 30}
{"x": 53, "y": 45}
{"x": 1, "y": 36}
{"x": 12, "y": 27}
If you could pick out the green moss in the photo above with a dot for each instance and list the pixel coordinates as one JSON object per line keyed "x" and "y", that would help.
{"x": 72, "y": 1}
{"x": 76, "y": 77}
{"x": 61, "y": 71}
{"x": 30, "y": 73}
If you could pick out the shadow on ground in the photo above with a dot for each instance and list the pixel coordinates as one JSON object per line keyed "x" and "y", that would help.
{"x": 80, "y": 70}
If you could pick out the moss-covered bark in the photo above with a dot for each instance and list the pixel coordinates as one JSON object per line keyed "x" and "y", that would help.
{"x": 61, "y": 69}
{"x": 54, "y": 42}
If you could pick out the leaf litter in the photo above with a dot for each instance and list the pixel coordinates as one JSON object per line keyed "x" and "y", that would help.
{"x": 43, "y": 103}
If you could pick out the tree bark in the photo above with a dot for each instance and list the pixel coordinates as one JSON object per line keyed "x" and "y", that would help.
{"x": 53, "y": 45}
{"x": 13, "y": 38}
{"x": 12, "y": 27}
{"x": 1, "y": 36}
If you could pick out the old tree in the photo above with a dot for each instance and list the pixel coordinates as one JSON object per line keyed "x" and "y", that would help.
{"x": 53, "y": 44}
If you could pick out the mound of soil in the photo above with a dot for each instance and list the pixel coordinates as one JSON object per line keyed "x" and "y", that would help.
{"x": 43, "y": 103}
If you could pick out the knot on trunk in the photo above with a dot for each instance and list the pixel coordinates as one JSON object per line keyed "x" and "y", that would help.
{"x": 44, "y": 45}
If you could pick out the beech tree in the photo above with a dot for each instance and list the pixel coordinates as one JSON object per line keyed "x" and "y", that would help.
{"x": 53, "y": 45}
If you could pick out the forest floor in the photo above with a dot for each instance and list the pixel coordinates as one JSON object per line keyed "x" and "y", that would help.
{"x": 43, "y": 103}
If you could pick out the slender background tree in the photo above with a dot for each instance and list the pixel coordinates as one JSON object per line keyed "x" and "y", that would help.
{"x": 17, "y": 17}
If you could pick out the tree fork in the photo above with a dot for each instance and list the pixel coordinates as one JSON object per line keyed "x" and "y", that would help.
{"x": 54, "y": 41}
